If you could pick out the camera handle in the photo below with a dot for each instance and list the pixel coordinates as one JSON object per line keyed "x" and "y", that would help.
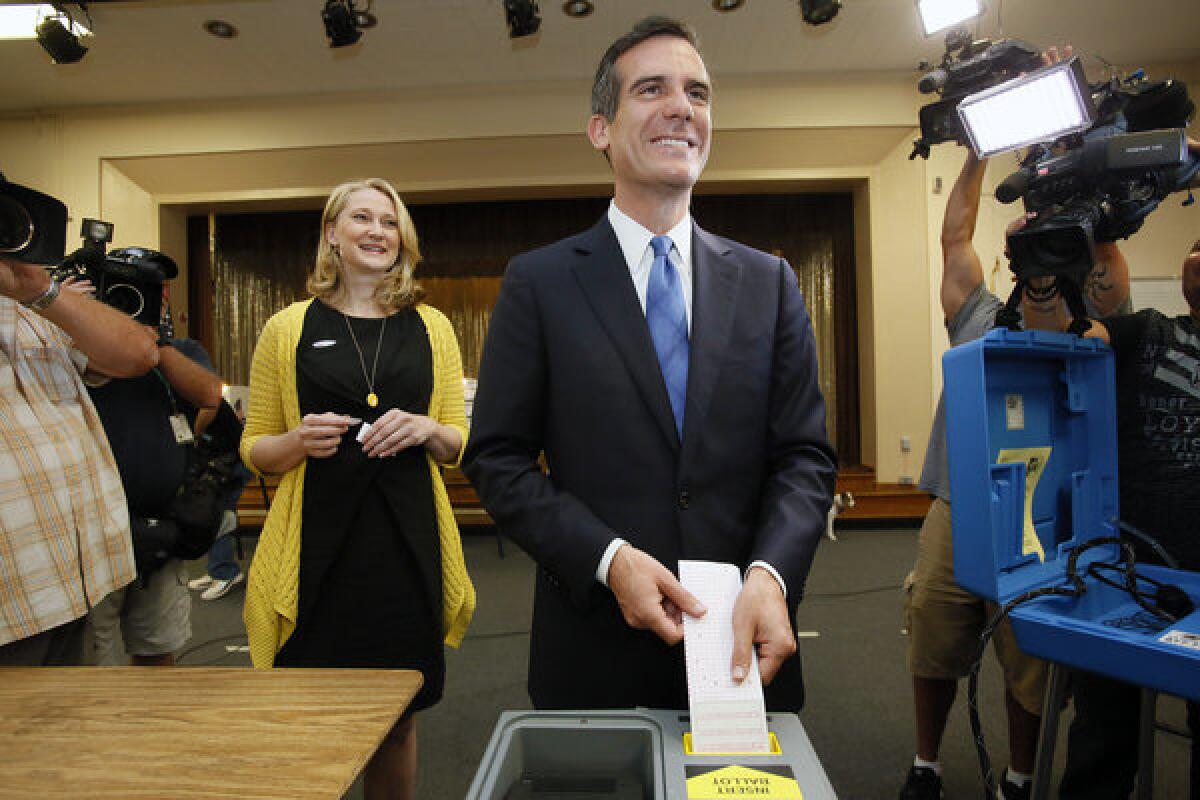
{"x": 1010, "y": 317}
{"x": 1073, "y": 296}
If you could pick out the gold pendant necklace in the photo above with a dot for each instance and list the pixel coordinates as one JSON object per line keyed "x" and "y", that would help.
{"x": 372, "y": 398}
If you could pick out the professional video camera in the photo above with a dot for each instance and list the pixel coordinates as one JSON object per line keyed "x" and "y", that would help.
{"x": 967, "y": 67}
{"x": 1099, "y": 185}
{"x": 130, "y": 279}
{"x": 193, "y": 517}
{"x": 33, "y": 226}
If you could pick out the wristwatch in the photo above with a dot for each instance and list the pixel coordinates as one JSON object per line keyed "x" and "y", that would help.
{"x": 43, "y": 300}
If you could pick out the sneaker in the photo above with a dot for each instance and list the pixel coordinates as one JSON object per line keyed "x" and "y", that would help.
{"x": 203, "y": 582}
{"x": 221, "y": 588}
{"x": 1007, "y": 790}
{"x": 922, "y": 784}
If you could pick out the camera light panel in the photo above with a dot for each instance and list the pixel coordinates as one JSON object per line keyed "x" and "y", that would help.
{"x": 937, "y": 15}
{"x": 1038, "y": 107}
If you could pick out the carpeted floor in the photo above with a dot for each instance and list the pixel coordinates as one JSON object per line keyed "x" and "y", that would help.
{"x": 859, "y": 712}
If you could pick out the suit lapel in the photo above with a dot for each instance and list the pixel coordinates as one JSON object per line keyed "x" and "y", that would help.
{"x": 604, "y": 277}
{"x": 716, "y": 278}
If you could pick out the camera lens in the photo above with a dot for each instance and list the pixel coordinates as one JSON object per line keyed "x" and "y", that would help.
{"x": 125, "y": 298}
{"x": 1059, "y": 248}
{"x": 16, "y": 226}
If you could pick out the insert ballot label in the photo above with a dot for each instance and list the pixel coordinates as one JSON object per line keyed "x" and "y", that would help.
{"x": 738, "y": 781}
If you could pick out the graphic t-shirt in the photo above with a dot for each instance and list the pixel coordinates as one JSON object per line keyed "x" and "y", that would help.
{"x": 1158, "y": 426}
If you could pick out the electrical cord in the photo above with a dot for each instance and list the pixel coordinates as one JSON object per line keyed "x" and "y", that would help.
{"x": 1170, "y": 603}
{"x": 985, "y": 763}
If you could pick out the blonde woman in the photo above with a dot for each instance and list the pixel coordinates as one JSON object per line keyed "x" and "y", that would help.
{"x": 355, "y": 399}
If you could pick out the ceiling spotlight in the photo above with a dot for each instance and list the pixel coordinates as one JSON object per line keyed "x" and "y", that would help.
{"x": 522, "y": 18}
{"x": 62, "y": 46}
{"x": 340, "y": 28}
{"x": 578, "y": 8}
{"x": 818, "y": 12}
{"x": 937, "y": 15}
{"x": 728, "y": 5}
{"x": 220, "y": 29}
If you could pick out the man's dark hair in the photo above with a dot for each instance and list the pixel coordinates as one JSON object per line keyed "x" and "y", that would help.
{"x": 607, "y": 84}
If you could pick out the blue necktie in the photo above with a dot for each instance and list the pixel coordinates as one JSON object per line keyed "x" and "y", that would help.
{"x": 667, "y": 319}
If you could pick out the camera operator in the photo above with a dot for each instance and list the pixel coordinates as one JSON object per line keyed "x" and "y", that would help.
{"x": 944, "y": 620}
{"x": 149, "y": 421}
{"x": 64, "y": 531}
{"x": 1158, "y": 450}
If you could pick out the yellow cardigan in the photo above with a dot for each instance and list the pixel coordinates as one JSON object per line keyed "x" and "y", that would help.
{"x": 272, "y": 592}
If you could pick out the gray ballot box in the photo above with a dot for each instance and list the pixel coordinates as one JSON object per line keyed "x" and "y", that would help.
{"x": 641, "y": 754}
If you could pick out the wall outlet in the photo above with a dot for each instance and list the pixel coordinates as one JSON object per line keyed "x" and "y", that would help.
{"x": 905, "y": 444}
{"x": 906, "y": 480}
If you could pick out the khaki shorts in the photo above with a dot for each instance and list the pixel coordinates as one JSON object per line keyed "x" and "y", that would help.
{"x": 154, "y": 619}
{"x": 944, "y": 620}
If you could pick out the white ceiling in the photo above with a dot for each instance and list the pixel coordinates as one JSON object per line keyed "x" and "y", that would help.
{"x": 155, "y": 51}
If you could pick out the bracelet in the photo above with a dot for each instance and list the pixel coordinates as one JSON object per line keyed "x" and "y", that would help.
{"x": 44, "y": 299}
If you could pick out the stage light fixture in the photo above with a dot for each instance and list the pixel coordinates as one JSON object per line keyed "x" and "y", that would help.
{"x": 60, "y": 44}
{"x": 340, "y": 27}
{"x": 578, "y": 8}
{"x": 728, "y": 5}
{"x": 938, "y": 15}
{"x": 818, "y": 12}
{"x": 1038, "y": 107}
{"x": 522, "y": 18}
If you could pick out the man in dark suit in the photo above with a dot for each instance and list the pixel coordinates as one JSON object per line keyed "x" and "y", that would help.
{"x": 669, "y": 377}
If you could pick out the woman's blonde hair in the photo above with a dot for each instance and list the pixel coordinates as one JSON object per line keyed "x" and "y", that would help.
{"x": 398, "y": 290}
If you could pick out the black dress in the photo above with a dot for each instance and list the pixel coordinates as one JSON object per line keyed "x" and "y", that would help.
{"x": 370, "y": 556}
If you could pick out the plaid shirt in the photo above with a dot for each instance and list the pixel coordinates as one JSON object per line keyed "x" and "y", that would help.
{"x": 64, "y": 528}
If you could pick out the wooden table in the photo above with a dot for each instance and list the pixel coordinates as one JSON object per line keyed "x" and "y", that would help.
{"x": 186, "y": 732}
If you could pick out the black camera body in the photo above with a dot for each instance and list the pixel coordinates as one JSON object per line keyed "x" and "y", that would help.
{"x": 130, "y": 279}
{"x": 1099, "y": 186}
{"x": 33, "y": 226}
{"x": 967, "y": 67}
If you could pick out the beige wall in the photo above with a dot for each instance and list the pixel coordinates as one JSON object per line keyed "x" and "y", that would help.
{"x": 144, "y": 168}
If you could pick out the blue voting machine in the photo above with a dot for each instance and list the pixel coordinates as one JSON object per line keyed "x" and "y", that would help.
{"x": 1031, "y": 433}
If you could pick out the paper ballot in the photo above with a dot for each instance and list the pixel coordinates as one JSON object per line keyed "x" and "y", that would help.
{"x": 726, "y": 717}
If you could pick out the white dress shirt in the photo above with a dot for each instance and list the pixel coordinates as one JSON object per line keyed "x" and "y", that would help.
{"x": 634, "y": 240}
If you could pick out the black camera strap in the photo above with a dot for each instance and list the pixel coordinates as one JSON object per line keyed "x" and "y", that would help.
{"x": 1010, "y": 315}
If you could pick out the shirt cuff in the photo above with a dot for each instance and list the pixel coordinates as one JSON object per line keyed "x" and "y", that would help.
{"x": 771, "y": 570}
{"x": 606, "y": 560}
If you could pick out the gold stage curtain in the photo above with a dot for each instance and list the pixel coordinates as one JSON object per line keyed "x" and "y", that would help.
{"x": 259, "y": 265}
{"x": 468, "y": 303}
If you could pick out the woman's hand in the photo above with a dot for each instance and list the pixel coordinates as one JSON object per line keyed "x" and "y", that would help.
{"x": 397, "y": 430}
{"x": 319, "y": 435}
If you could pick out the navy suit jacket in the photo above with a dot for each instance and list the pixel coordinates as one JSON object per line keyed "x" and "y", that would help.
{"x": 569, "y": 370}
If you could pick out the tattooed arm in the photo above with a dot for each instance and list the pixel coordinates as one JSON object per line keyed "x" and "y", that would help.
{"x": 1107, "y": 286}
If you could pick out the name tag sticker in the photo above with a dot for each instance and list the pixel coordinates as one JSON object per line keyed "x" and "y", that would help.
{"x": 324, "y": 343}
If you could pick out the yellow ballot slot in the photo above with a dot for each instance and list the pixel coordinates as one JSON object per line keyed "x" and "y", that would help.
{"x": 1034, "y": 459}
{"x": 741, "y": 781}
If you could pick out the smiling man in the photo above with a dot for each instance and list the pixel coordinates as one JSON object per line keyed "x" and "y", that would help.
{"x": 669, "y": 377}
